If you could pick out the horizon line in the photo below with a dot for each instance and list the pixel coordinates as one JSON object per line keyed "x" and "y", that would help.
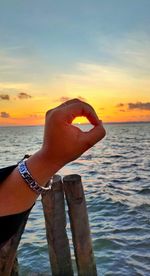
{"x": 106, "y": 123}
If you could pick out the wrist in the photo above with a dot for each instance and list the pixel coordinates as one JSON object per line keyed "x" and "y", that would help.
{"x": 52, "y": 157}
{"x": 41, "y": 167}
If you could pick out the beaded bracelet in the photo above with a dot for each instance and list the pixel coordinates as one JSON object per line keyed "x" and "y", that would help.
{"x": 23, "y": 170}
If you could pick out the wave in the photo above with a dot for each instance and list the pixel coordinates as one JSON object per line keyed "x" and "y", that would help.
{"x": 145, "y": 191}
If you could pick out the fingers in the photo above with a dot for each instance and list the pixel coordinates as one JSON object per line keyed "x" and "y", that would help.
{"x": 93, "y": 136}
{"x": 65, "y": 104}
{"x": 78, "y": 108}
{"x": 71, "y": 109}
{"x": 76, "y": 100}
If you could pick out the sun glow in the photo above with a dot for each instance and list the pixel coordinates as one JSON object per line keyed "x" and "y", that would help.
{"x": 80, "y": 120}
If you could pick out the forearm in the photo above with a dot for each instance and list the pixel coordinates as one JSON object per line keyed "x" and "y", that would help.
{"x": 15, "y": 195}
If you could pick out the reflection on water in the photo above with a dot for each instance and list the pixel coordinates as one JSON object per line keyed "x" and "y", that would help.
{"x": 116, "y": 177}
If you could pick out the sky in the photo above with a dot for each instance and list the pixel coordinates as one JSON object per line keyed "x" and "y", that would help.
{"x": 94, "y": 50}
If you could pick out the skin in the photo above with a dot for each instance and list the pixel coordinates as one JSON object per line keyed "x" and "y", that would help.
{"x": 62, "y": 143}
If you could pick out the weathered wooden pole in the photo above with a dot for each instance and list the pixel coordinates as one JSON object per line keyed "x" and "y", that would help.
{"x": 79, "y": 225}
{"x": 55, "y": 220}
{"x": 8, "y": 252}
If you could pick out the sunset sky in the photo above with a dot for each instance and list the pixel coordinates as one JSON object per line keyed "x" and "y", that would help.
{"x": 95, "y": 50}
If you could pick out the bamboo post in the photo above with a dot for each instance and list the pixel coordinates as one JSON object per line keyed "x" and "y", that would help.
{"x": 8, "y": 252}
{"x": 79, "y": 225}
{"x": 55, "y": 220}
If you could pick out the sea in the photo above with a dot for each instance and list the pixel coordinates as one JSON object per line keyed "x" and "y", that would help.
{"x": 116, "y": 179}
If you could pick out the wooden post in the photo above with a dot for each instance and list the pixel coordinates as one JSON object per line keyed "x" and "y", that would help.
{"x": 55, "y": 219}
{"x": 8, "y": 252}
{"x": 79, "y": 225}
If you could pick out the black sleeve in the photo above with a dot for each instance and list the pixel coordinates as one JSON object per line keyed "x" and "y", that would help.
{"x": 5, "y": 172}
{"x": 9, "y": 224}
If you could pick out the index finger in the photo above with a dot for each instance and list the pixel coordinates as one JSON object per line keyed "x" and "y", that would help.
{"x": 80, "y": 109}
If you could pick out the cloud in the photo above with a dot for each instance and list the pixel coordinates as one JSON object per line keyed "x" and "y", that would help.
{"x": 4, "y": 114}
{"x": 120, "y": 105}
{"x": 7, "y": 93}
{"x": 4, "y": 97}
{"x": 36, "y": 116}
{"x": 139, "y": 105}
{"x": 23, "y": 95}
{"x": 100, "y": 77}
{"x": 128, "y": 51}
{"x": 124, "y": 65}
{"x": 17, "y": 63}
{"x": 81, "y": 98}
{"x": 65, "y": 99}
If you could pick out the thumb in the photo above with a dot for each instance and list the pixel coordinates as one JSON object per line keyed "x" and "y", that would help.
{"x": 94, "y": 135}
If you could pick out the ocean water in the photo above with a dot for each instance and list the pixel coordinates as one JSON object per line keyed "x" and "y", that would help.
{"x": 116, "y": 179}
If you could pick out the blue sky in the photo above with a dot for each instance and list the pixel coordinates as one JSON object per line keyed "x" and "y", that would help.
{"x": 46, "y": 43}
{"x": 59, "y": 34}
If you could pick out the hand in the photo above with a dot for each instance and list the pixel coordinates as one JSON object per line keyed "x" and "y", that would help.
{"x": 64, "y": 142}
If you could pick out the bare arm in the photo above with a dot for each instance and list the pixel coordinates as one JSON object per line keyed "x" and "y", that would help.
{"x": 62, "y": 143}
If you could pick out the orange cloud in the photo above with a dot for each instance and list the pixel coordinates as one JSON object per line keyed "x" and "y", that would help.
{"x": 4, "y": 97}
{"x": 4, "y": 114}
{"x": 133, "y": 106}
{"x": 23, "y": 95}
{"x": 64, "y": 99}
{"x": 139, "y": 105}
